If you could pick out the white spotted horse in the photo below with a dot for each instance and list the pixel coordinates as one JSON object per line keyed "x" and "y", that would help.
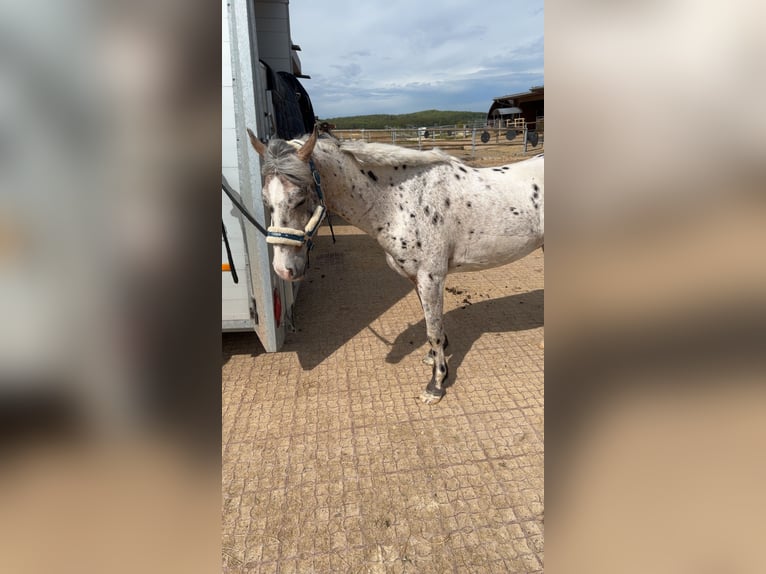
{"x": 429, "y": 212}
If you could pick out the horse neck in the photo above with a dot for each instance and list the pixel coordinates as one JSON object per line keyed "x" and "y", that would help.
{"x": 349, "y": 193}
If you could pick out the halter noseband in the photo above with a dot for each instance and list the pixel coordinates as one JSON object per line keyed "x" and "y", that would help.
{"x": 296, "y": 237}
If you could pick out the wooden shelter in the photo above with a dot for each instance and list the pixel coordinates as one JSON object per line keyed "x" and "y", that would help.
{"x": 525, "y": 109}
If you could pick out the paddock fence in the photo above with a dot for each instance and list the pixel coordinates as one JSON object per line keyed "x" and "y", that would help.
{"x": 457, "y": 138}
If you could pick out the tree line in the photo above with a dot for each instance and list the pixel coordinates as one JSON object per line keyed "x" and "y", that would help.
{"x": 425, "y": 118}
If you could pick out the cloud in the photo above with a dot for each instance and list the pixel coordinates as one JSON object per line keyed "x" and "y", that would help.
{"x": 359, "y": 54}
{"x": 405, "y": 56}
{"x": 348, "y": 70}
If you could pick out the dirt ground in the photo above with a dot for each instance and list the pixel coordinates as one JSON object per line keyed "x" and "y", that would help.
{"x": 491, "y": 155}
{"x": 498, "y": 151}
{"x": 332, "y": 464}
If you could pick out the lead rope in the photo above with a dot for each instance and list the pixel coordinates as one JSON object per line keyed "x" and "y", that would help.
{"x": 232, "y": 269}
{"x": 238, "y": 204}
{"x": 318, "y": 184}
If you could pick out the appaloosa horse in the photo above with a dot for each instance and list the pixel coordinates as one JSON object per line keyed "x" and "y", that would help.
{"x": 429, "y": 212}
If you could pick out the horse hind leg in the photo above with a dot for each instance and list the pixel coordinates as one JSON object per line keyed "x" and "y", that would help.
{"x": 430, "y": 289}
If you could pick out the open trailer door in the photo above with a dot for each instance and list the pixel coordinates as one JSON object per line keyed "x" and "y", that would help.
{"x": 253, "y": 297}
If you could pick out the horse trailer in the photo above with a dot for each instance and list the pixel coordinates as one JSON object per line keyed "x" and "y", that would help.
{"x": 260, "y": 91}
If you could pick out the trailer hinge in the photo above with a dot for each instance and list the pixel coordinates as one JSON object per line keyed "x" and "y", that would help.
{"x": 253, "y": 310}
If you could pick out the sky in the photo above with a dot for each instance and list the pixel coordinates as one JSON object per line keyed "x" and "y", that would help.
{"x": 402, "y": 56}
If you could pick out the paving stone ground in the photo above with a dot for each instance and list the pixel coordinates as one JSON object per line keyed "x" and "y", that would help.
{"x": 332, "y": 464}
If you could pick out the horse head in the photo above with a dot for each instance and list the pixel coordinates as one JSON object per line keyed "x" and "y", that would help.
{"x": 292, "y": 196}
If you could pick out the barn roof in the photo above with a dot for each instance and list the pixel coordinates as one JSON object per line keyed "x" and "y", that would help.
{"x": 534, "y": 90}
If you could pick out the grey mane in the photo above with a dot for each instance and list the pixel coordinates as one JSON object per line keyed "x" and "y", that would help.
{"x": 389, "y": 155}
{"x": 281, "y": 159}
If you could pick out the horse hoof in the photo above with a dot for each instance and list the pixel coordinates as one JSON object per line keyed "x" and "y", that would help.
{"x": 431, "y": 398}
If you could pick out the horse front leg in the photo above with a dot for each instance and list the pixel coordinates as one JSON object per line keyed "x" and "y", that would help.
{"x": 429, "y": 358}
{"x": 430, "y": 288}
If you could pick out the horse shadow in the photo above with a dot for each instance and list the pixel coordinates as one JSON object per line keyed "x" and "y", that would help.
{"x": 464, "y": 325}
{"x": 348, "y": 286}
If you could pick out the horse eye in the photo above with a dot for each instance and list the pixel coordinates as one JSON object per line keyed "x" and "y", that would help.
{"x": 297, "y": 205}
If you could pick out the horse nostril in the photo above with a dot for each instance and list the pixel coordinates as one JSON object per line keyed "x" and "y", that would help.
{"x": 290, "y": 271}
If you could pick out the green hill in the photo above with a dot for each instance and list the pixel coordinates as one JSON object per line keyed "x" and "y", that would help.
{"x": 425, "y": 118}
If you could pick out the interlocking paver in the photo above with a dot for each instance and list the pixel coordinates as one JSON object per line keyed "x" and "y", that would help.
{"x": 332, "y": 464}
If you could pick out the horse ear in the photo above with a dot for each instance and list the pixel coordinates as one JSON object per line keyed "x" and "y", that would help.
{"x": 257, "y": 144}
{"x": 306, "y": 150}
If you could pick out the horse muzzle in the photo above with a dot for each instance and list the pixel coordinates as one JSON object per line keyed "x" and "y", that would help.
{"x": 289, "y": 274}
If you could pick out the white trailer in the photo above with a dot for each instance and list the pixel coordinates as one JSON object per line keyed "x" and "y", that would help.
{"x": 253, "y": 31}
